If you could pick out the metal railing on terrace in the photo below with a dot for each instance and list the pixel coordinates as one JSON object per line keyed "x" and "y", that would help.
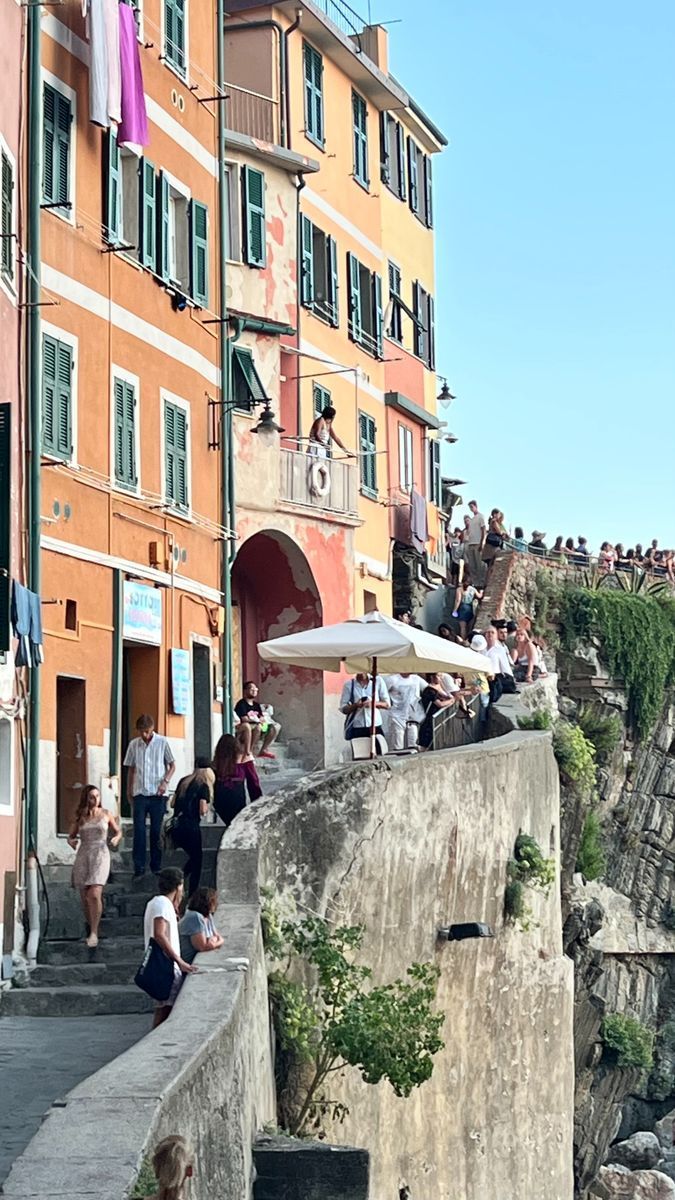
{"x": 342, "y": 15}
{"x": 591, "y": 571}
{"x": 337, "y": 489}
{"x": 450, "y": 729}
{"x": 252, "y": 113}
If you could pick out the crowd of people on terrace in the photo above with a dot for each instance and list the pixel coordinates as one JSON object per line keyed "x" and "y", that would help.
{"x": 473, "y": 546}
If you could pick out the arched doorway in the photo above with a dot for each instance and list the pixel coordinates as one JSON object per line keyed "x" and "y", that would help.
{"x": 274, "y": 593}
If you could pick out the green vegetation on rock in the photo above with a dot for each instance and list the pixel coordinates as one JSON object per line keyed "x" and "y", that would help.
{"x": 539, "y": 719}
{"x": 636, "y": 639}
{"x": 591, "y": 860}
{"x": 338, "y": 1019}
{"x": 575, "y": 755}
{"x": 146, "y": 1184}
{"x": 603, "y": 730}
{"x": 627, "y": 1042}
{"x": 527, "y": 869}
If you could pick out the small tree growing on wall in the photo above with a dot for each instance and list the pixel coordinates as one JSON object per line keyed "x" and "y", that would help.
{"x": 338, "y": 1019}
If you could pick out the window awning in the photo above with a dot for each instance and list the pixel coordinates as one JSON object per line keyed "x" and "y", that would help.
{"x": 415, "y": 411}
{"x": 247, "y": 384}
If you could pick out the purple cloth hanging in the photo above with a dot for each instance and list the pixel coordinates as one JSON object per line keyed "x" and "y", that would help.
{"x": 134, "y": 125}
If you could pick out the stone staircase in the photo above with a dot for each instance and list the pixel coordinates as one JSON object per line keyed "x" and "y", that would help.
{"x": 71, "y": 980}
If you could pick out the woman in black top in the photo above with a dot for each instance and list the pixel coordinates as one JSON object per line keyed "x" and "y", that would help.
{"x": 434, "y": 697}
{"x": 190, "y": 803}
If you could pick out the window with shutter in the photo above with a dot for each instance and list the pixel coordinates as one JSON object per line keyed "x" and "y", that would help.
{"x": 400, "y": 157}
{"x": 5, "y": 522}
{"x": 405, "y": 458}
{"x": 247, "y": 385}
{"x": 313, "y": 74}
{"x": 306, "y": 262}
{"x": 395, "y": 330}
{"x": 413, "y": 180}
{"x": 431, "y": 335}
{"x": 367, "y": 459}
{"x": 199, "y": 252}
{"x": 385, "y": 155}
{"x": 124, "y": 399}
{"x": 113, "y": 212}
{"x": 378, "y": 316}
{"x": 7, "y": 247}
{"x": 174, "y": 34}
{"x": 428, "y": 193}
{"x": 353, "y": 277}
{"x": 254, "y": 215}
{"x": 360, "y": 131}
{"x": 176, "y": 482}
{"x": 56, "y": 122}
{"x": 148, "y": 215}
{"x": 321, "y": 398}
{"x": 162, "y": 245}
{"x": 435, "y": 472}
{"x": 57, "y": 370}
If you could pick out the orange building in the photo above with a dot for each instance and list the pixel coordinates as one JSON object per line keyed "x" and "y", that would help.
{"x": 131, "y": 513}
{"x": 317, "y": 79}
{"x": 12, "y": 561}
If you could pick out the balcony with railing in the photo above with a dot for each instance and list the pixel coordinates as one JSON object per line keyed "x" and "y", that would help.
{"x": 252, "y": 113}
{"x": 343, "y": 15}
{"x": 325, "y": 486}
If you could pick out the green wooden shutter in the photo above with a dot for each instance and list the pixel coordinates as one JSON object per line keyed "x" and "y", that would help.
{"x": 162, "y": 248}
{"x": 56, "y": 121}
{"x": 321, "y": 398}
{"x": 334, "y": 281}
{"x": 57, "y": 366}
{"x": 355, "y": 320}
{"x": 360, "y": 133}
{"x": 148, "y": 217}
{"x": 385, "y": 164}
{"x": 428, "y": 193}
{"x": 400, "y": 154}
{"x": 62, "y": 156}
{"x": 6, "y": 508}
{"x": 254, "y": 216}
{"x": 199, "y": 252}
{"x": 306, "y": 262}
{"x": 125, "y": 433}
{"x": 313, "y": 74}
{"x": 113, "y": 208}
{"x": 418, "y": 337}
{"x": 378, "y": 319}
{"x": 367, "y": 447}
{"x": 431, "y": 335}
{"x": 174, "y": 33}
{"x": 175, "y": 445}
{"x": 7, "y": 248}
{"x": 412, "y": 174}
{"x": 435, "y": 472}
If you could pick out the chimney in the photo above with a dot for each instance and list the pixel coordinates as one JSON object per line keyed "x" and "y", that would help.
{"x": 375, "y": 43}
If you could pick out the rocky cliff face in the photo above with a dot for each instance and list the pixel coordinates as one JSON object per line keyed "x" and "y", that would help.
{"x": 620, "y": 934}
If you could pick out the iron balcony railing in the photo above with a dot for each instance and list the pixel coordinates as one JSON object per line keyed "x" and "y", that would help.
{"x": 342, "y": 15}
{"x": 451, "y": 730}
{"x": 299, "y": 483}
{"x": 252, "y": 113}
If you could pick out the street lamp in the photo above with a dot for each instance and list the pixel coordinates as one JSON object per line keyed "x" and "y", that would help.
{"x": 267, "y": 426}
{"x": 445, "y": 396}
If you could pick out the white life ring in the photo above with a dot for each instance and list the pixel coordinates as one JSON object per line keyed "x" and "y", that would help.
{"x": 319, "y": 478}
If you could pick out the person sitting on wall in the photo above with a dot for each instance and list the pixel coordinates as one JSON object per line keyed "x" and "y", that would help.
{"x": 258, "y": 717}
{"x": 356, "y": 704}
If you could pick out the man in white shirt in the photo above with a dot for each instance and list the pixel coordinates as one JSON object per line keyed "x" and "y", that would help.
{"x": 160, "y": 921}
{"x": 151, "y": 765}
{"x": 405, "y": 713}
{"x": 474, "y": 540}
{"x": 503, "y": 667}
{"x": 356, "y": 704}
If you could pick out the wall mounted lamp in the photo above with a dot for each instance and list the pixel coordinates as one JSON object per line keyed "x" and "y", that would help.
{"x": 267, "y": 424}
{"x": 445, "y": 396}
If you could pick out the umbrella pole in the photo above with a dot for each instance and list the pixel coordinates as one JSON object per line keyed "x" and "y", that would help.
{"x": 373, "y": 745}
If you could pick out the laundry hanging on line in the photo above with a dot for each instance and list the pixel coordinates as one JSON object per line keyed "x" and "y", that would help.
{"x": 27, "y": 626}
{"x": 116, "y": 92}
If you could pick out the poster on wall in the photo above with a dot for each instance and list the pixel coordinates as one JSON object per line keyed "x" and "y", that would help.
{"x": 142, "y": 620}
{"x": 180, "y": 681}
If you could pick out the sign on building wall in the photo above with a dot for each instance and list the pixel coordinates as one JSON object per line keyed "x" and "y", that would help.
{"x": 180, "y": 681}
{"x": 142, "y": 613}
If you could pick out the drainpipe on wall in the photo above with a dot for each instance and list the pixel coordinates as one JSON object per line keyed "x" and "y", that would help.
{"x": 229, "y": 546}
{"x": 34, "y": 405}
{"x": 298, "y": 293}
{"x": 291, "y": 29}
{"x": 116, "y": 680}
{"x": 226, "y": 456}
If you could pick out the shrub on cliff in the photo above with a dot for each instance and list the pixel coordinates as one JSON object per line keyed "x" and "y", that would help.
{"x": 338, "y": 1019}
{"x": 575, "y": 756}
{"x": 604, "y": 730}
{"x": 591, "y": 860}
{"x": 627, "y": 1042}
{"x": 636, "y": 637}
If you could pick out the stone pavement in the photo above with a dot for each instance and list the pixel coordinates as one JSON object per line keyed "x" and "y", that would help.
{"x": 42, "y": 1058}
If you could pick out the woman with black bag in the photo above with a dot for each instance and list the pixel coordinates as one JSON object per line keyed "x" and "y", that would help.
{"x": 162, "y": 971}
{"x": 236, "y": 777}
{"x": 190, "y": 803}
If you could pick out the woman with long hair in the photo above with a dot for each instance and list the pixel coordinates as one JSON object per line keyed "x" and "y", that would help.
{"x": 89, "y": 837}
{"x": 173, "y": 1164}
{"x": 197, "y": 929}
{"x": 434, "y": 698}
{"x": 524, "y": 656}
{"x": 190, "y": 803}
{"x": 235, "y": 777}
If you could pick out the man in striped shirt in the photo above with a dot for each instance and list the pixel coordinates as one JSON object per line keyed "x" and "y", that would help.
{"x": 151, "y": 765}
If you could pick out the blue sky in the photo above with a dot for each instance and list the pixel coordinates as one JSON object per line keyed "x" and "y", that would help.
{"x": 555, "y": 217}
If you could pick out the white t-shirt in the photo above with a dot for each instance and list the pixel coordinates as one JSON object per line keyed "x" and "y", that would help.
{"x": 474, "y": 535}
{"x": 499, "y": 655}
{"x": 161, "y": 906}
{"x": 404, "y": 693}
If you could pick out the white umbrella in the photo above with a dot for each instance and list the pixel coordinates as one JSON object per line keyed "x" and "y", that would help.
{"x": 361, "y": 644}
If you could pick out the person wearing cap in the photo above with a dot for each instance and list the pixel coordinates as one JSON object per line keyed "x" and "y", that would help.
{"x": 537, "y": 545}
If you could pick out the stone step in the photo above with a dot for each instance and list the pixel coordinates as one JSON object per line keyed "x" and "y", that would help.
{"x": 113, "y": 925}
{"x": 94, "y": 1001}
{"x": 109, "y": 950}
{"x": 78, "y": 974}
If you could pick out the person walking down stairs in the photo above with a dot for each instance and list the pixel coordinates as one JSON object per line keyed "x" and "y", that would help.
{"x": 151, "y": 765}
{"x": 89, "y": 837}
